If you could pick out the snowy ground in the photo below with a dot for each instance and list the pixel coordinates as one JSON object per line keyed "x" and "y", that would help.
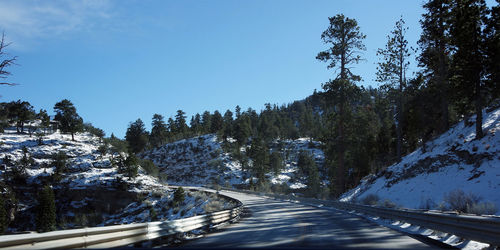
{"x": 453, "y": 161}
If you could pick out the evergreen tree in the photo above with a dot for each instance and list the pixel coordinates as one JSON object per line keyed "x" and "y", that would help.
{"x": 68, "y": 118}
{"x": 46, "y": 210}
{"x": 345, "y": 39}
{"x": 130, "y": 166}
{"x": 435, "y": 56}
{"x": 206, "y": 122}
{"x": 468, "y": 19}
{"x": 159, "y": 131}
{"x": 392, "y": 70}
{"x": 260, "y": 157}
{"x": 180, "y": 123}
{"x": 44, "y": 119}
{"x": 493, "y": 52}
{"x": 228, "y": 124}
{"x": 196, "y": 124}
{"x": 217, "y": 122}
{"x": 242, "y": 129}
{"x": 237, "y": 111}
{"x": 20, "y": 112}
{"x": 276, "y": 162}
{"x": 136, "y": 136}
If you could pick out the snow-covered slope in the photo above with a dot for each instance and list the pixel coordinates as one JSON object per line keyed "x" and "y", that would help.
{"x": 454, "y": 161}
{"x": 196, "y": 161}
{"x": 291, "y": 150}
{"x": 201, "y": 160}
{"x": 91, "y": 191}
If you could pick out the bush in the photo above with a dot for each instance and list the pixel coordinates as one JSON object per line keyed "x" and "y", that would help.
{"x": 150, "y": 167}
{"x": 371, "y": 199}
{"x": 458, "y": 200}
{"x": 179, "y": 196}
{"x": 387, "y": 203}
{"x": 482, "y": 208}
{"x": 213, "y": 206}
{"x": 46, "y": 210}
{"x": 59, "y": 160}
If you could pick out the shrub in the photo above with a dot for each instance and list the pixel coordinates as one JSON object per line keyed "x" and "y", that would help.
{"x": 179, "y": 196}
{"x": 46, "y": 210}
{"x": 152, "y": 214}
{"x": 387, "y": 203}
{"x": 213, "y": 206}
{"x": 59, "y": 160}
{"x": 482, "y": 208}
{"x": 371, "y": 199}
{"x": 150, "y": 167}
{"x": 458, "y": 200}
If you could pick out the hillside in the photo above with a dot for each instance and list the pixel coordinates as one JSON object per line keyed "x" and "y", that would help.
{"x": 90, "y": 191}
{"x": 430, "y": 176}
{"x": 201, "y": 160}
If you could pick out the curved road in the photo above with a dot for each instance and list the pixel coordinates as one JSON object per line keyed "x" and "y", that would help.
{"x": 274, "y": 223}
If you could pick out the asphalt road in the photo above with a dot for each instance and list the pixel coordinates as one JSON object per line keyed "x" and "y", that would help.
{"x": 272, "y": 223}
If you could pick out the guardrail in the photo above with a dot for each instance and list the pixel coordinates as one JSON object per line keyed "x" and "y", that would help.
{"x": 116, "y": 236}
{"x": 479, "y": 228}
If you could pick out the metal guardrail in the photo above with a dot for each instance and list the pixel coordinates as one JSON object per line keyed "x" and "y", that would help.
{"x": 116, "y": 236}
{"x": 484, "y": 229}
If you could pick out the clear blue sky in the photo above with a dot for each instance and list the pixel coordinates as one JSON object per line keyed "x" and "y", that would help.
{"x": 122, "y": 60}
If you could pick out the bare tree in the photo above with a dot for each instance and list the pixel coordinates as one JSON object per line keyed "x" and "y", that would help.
{"x": 5, "y": 63}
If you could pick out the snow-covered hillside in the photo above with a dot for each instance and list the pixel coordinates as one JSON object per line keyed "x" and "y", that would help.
{"x": 454, "y": 161}
{"x": 201, "y": 160}
{"x": 291, "y": 150}
{"x": 91, "y": 191}
{"x": 196, "y": 161}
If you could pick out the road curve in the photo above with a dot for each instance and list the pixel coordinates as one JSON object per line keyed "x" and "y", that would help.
{"x": 274, "y": 223}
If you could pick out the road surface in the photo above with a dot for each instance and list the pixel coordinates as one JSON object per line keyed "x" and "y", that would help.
{"x": 273, "y": 223}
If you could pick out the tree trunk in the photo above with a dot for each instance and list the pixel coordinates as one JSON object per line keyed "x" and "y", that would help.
{"x": 72, "y": 136}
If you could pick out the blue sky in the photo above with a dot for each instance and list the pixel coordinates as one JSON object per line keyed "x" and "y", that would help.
{"x": 122, "y": 60}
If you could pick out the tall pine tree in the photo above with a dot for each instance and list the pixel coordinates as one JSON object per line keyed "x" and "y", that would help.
{"x": 345, "y": 38}
{"x": 392, "y": 70}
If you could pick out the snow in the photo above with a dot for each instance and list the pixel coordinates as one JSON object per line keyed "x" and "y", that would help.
{"x": 455, "y": 160}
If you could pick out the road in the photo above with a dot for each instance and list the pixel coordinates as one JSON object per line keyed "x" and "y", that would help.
{"x": 274, "y": 223}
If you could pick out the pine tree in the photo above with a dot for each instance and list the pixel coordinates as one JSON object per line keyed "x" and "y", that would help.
{"x": 180, "y": 123}
{"x": 228, "y": 124}
{"x": 276, "y": 162}
{"x": 206, "y": 122}
{"x": 136, "y": 136}
{"x": 68, "y": 118}
{"x": 435, "y": 55}
{"x": 159, "y": 131}
{"x": 46, "y": 210}
{"x": 493, "y": 52}
{"x": 468, "y": 19}
{"x": 196, "y": 124}
{"x": 217, "y": 122}
{"x": 345, "y": 39}
{"x": 392, "y": 70}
